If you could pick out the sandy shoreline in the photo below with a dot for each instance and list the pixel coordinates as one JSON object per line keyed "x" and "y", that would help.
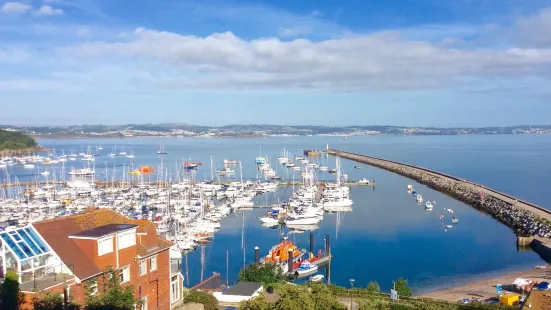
{"x": 484, "y": 289}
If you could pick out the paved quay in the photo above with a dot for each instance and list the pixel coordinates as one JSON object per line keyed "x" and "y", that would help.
{"x": 523, "y": 217}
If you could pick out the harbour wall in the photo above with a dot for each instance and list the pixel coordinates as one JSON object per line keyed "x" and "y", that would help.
{"x": 523, "y": 217}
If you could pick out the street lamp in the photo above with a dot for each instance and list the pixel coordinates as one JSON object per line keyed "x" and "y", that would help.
{"x": 351, "y": 287}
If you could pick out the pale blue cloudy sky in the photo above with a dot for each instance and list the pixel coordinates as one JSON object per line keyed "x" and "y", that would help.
{"x": 216, "y": 62}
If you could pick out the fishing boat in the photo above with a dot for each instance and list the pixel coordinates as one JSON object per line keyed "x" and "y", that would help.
{"x": 317, "y": 278}
{"x": 260, "y": 160}
{"x": 280, "y": 252}
{"x": 306, "y": 269}
{"x": 428, "y": 205}
{"x": 191, "y": 165}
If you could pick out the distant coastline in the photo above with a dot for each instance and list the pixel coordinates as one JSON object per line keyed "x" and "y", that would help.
{"x": 256, "y": 131}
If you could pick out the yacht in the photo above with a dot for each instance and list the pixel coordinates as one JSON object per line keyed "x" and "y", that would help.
{"x": 82, "y": 172}
{"x": 428, "y": 205}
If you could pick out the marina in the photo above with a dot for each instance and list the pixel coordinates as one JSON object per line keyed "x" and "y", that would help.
{"x": 379, "y": 217}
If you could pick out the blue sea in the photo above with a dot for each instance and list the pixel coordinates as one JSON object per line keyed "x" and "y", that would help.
{"x": 387, "y": 235}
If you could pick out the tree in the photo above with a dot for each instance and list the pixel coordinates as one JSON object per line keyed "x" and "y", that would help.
{"x": 401, "y": 286}
{"x": 10, "y": 294}
{"x": 206, "y": 299}
{"x": 323, "y": 298}
{"x": 265, "y": 273}
{"x": 294, "y": 297}
{"x": 112, "y": 296}
{"x": 373, "y": 287}
{"x": 259, "y": 303}
{"x": 50, "y": 301}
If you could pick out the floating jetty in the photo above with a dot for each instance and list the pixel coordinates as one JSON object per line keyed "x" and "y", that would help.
{"x": 523, "y": 217}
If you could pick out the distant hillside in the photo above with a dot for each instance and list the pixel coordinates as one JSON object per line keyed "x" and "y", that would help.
{"x": 14, "y": 140}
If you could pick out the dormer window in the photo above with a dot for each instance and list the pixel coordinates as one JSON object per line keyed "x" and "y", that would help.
{"x": 105, "y": 246}
{"x": 127, "y": 239}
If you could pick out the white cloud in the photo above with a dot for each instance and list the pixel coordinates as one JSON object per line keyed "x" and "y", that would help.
{"x": 294, "y": 31}
{"x": 535, "y": 30}
{"x": 47, "y": 10}
{"x": 378, "y": 61}
{"x": 32, "y": 85}
{"x": 83, "y": 33}
{"x": 13, "y": 56}
{"x": 15, "y": 8}
{"x": 316, "y": 13}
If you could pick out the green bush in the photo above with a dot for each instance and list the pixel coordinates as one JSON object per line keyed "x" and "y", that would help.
{"x": 265, "y": 273}
{"x": 206, "y": 299}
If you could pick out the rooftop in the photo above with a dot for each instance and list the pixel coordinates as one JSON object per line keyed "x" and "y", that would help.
{"x": 243, "y": 289}
{"x": 213, "y": 283}
{"x": 104, "y": 230}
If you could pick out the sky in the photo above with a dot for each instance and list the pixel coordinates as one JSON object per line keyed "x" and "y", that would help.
{"x": 318, "y": 62}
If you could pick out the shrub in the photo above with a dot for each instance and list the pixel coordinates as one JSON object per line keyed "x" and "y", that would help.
{"x": 206, "y": 299}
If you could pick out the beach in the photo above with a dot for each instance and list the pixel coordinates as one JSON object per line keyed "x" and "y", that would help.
{"x": 485, "y": 289}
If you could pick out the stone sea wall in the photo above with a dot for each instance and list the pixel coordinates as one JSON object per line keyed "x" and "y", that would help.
{"x": 524, "y": 218}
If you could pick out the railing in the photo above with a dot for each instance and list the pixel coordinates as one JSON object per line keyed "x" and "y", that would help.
{"x": 44, "y": 277}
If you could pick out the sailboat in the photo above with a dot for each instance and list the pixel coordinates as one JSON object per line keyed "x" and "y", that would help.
{"x": 131, "y": 155}
{"x": 161, "y": 150}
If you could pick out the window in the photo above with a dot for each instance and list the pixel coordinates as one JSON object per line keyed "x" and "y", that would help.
{"x": 93, "y": 289}
{"x": 174, "y": 289}
{"x": 144, "y": 303}
{"x": 127, "y": 239}
{"x": 143, "y": 267}
{"x": 125, "y": 274}
{"x": 105, "y": 246}
{"x": 153, "y": 263}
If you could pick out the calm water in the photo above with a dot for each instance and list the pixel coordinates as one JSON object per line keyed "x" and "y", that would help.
{"x": 387, "y": 235}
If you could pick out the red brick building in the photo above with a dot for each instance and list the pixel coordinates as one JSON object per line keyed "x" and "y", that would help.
{"x": 74, "y": 252}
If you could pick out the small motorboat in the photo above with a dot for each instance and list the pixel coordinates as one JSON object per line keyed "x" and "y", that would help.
{"x": 449, "y": 226}
{"x": 306, "y": 269}
{"x": 455, "y": 220}
{"x": 333, "y": 171}
{"x": 363, "y": 181}
{"x": 540, "y": 267}
{"x": 434, "y": 202}
{"x": 357, "y": 167}
{"x": 269, "y": 220}
{"x": 317, "y": 278}
{"x": 450, "y": 211}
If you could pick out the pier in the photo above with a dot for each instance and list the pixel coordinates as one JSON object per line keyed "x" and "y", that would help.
{"x": 525, "y": 218}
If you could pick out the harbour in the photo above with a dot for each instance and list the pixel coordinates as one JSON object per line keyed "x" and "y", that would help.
{"x": 363, "y": 226}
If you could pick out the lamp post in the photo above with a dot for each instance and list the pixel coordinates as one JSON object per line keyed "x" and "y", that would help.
{"x": 351, "y": 287}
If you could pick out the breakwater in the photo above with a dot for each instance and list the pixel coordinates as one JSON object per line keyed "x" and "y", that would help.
{"x": 525, "y": 218}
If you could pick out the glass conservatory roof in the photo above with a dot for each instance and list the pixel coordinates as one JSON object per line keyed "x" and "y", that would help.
{"x": 24, "y": 242}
